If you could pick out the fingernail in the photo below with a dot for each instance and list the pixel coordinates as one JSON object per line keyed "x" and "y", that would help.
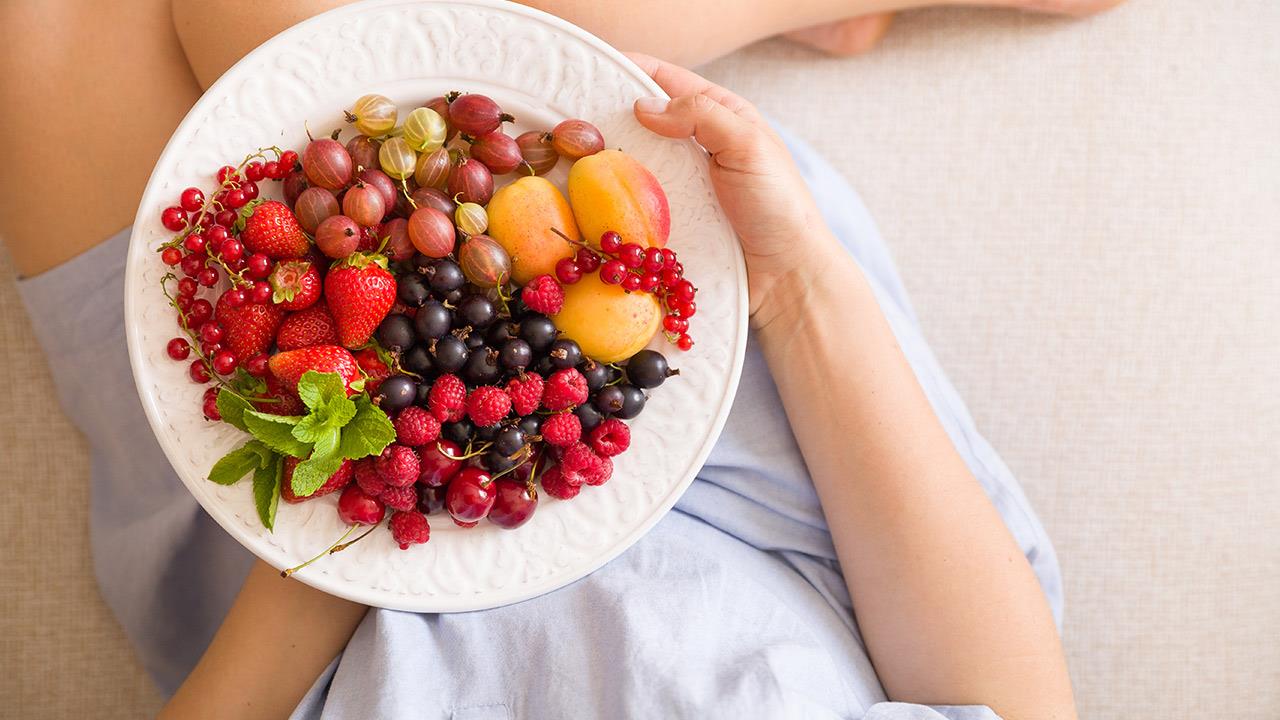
{"x": 652, "y": 105}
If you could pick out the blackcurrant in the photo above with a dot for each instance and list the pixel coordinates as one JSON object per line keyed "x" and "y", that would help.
{"x": 565, "y": 353}
{"x": 474, "y": 341}
{"x": 453, "y": 297}
{"x": 417, "y": 360}
{"x": 432, "y": 321}
{"x": 509, "y": 441}
{"x": 610, "y": 400}
{"x": 499, "y": 333}
{"x": 486, "y": 434}
{"x": 515, "y": 354}
{"x": 543, "y": 366}
{"x": 445, "y": 276}
{"x": 449, "y": 354}
{"x": 538, "y": 331}
{"x": 648, "y": 369}
{"x": 459, "y": 432}
{"x": 422, "y": 262}
{"x": 412, "y": 289}
{"x": 497, "y": 462}
{"x": 424, "y": 394}
{"x": 395, "y": 332}
{"x": 396, "y": 393}
{"x": 597, "y": 374}
{"x": 632, "y": 401}
{"x": 530, "y": 425}
{"x": 589, "y": 416}
{"x": 482, "y": 368}
{"x": 476, "y": 311}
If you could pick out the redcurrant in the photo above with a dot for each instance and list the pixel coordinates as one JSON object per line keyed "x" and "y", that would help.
{"x": 631, "y": 255}
{"x": 199, "y": 372}
{"x": 200, "y": 312}
{"x": 192, "y": 199}
{"x": 685, "y": 343}
{"x": 257, "y": 365}
{"x": 649, "y": 282}
{"x": 288, "y": 159}
{"x": 653, "y": 260}
{"x": 250, "y": 190}
{"x": 195, "y": 242}
{"x": 173, "y": 218}
{"x": 670, "y": 278}
{"x": 208, "y": 277}
{"x": 232, "y": 250}
{"x": 668, "y": 257}
{"x": 631, "y": 282}
{"x": 191, "y": 265}
{"x": 225, "y": 173}
{"x": 253, "y": 171}
{"x": 587, "y": 260}
{"x": 171, "y": 256}
{"x": 211, "y": 332}
{"x": 235, "y": 199}
{"x": 224, "y": 363}
{"x": 178, "y": 348}
{"x": 261, "y": 293}
{"x": 612, "y": 272}
{"x": 234, "y": 297}
{"x": 187, "y": 287}
{"x": 272, "y": 170}
{"x": 259, "y": 266}
{"x": 610, "y": 242}
{"x": 567, "y": 271}
{"x": 683, "y": 291}
{"x": 225, "y": 218}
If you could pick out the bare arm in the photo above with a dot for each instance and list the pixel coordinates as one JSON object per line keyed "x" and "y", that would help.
{"x": 277, "y": 639}
{"x": 950, "y": 609}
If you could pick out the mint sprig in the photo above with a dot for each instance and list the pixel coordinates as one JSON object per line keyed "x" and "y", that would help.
{"x": 335, "y": 428}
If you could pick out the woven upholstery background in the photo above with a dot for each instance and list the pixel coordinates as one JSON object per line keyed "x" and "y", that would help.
{"x": 1088, "y": 217}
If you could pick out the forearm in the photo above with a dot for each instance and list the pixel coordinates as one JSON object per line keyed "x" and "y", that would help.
{"x": 949, "y": 608}
{"x": 277, "y": 639}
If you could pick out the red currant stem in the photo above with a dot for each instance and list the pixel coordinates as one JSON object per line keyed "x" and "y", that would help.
{"x": 330, "y": 549}
{"x": 237, "y": 279}
{"x": 194, "y": 220}
{"x": 196, "y": 348}
{"x": 344, "y": 546}
{"x": 467, "y": 455}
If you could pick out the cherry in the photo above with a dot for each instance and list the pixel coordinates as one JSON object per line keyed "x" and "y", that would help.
{"x": 200, "y": 312}
{"x": 257, "y": 365}
{"x": 171, "y": 256}
{"x": 631, "y": 282}
{"x": 470, "y": 495}
{"x": 211, "y": 332}
{"x": 631, "y": 255}
{"x": 261, "y": 293}
{"x": 568, "y": 272}
{"x": 587, "y": 260}
{"x": 513, "y": 505}
{"x": 173, "y": 218}
{"x": 192, "y": 199}
{"x": 224, "y": 363}
{"x": 178, "y": 348}
{"x": 187, "y": 287}
{"x": 207, "y": 277}
{"x": 195, "y": 242}
{"x": 613, "y": 272}
{"x": 610, "y": 242}
{"x": 232, "y": 250}
{"x": 234, "y": 297}
{"x": 253, "y": 171}
{"x": 259, "y": 266}
{"x": 357, "y": 508}
{"x": 436, "y": 467}
{"x": 199, "y": 372}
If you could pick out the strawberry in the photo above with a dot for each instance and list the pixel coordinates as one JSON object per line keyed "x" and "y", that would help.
{"x": 313, "y": 326}
{"x": 359, "y": 292}
{"x": 250, "y": 328}
{"x": 336, "y": 482}
{"x": 374, "y": 368}
{"x": 289, "y": 402}
{"x": 288, "y": 367}
{"x": 296, "y": 284}
{"x": 271, "y": 229}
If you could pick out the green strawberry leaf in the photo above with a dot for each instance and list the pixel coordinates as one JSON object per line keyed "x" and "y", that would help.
{"x": 317, "y": 389}
{"x": 368, "y": 433}
{"x": 240, "y": 462}
{"x": 311, "y": 473}
{"x": 232, "y": 407}
{"x": 266, "y": 491}
{"x": 243, "y": 216}
{"x": 276, "y": 432}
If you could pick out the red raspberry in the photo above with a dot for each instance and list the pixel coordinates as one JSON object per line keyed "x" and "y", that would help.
{"x": 368, "y": 479}
{"x": 526, "y": 393}
{"x": 400, "y": 498}
{"x": 488, "y": 405}
{"x": 562, "y": 430}
{"x": 565, "y": 390}
{"x": 336, "y": 481}
{"x": 599, "y": 473}
{"x": 611, "y": 437}
{"x": 398, "y": 465}
{"x": 543, "y": 294}
{"x": 416, "y": 427}
{"x": 448, "y": 398}
{"x": 409, "y": 528}
{"x": 554, "y": 484}
{"x": 576, "y": 463}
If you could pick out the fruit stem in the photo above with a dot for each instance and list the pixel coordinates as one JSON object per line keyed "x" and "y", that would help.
{"x": 344, "y": 546}
{"x": 330, "y": 549}
{"x": 404, "y": 185}
{"x": 195, "y": 343}
{"x": 467, "y": 455}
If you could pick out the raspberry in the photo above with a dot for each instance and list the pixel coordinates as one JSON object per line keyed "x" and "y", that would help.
{"x": 400, "y": 498}
{"x": 409, "y": 528}
{"x": 526, "y": 393}
{"x": 562, "y": 430}
{"x": 368, "y": 479}
{"x": 487, "y": 405}
{"x": 554, "y": 484}
{"x": 398, "y": 465}
{"x": 415, "y": 427}
{"x": 610, "y": 437}
{"x": 565, "y": 390}
{"x": 543, "y": 294}
{"x": 599, "y": 473}
{"x": 576, "y": 463}
{"x": 448, "y": 398}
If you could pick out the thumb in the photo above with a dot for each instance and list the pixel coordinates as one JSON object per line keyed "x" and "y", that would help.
{"x": 714, "y": 126}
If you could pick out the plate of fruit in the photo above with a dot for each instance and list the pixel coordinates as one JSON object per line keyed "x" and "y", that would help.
{"x": 419, "y": 313}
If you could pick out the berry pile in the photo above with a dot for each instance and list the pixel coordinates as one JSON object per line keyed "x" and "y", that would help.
{"x": 371, "y": 339}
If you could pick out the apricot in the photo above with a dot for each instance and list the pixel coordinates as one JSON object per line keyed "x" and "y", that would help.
{"x": 608, "y": 323}
{"x": 612, "y": 191}
{"x": 521, "y": 216}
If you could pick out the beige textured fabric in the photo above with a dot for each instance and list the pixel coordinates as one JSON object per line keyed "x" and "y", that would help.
{"x": 1088, "y": 217}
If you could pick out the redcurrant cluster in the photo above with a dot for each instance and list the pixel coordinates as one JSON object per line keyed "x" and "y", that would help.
{"x": 638, "y": 269}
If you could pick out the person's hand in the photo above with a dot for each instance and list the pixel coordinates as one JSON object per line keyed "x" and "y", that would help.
{"x": 757, "y": 183}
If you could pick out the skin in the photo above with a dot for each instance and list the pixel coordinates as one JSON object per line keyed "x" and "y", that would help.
{"x": 949, "y": 608}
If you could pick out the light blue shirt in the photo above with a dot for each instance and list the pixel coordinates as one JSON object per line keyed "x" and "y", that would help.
{"x": 732, "y": 606}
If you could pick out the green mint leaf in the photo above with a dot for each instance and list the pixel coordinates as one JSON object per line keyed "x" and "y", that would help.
{"x": 311, "y": 473}
{"x": 232, "y": 407}
{"x": 246, "y": 384}
{"x": 266, "y": 490}
{"x": 240, "y": 462}
{"x": 317, "y": 389}
{"x": 368, "y": 433}
{"x": 276, "y": 432}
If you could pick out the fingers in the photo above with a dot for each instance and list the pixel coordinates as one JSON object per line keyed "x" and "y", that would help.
{"x": 845, "y": 38}
{"x": 714, "y": 126}
{"x": 677, "y": 82}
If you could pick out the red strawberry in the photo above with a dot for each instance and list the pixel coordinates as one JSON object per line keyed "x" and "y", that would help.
{"x": 288, "y": 367}
{"x": 313, "y": 326}
{"x": 271, "y": 229}
{"x": 336, "y": 482}
{"x": 374, "y": 368}
{"x": 296, "y": 284}
{"x": 250, "y": 328}
{"x": 360, "y": 292}
{"x": 289, "y": 402}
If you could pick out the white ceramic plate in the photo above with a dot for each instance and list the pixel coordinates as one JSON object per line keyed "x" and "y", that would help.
{"x": 542, "y": 70}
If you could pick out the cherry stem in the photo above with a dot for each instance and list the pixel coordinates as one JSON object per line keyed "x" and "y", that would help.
{"x": 344, "y": 546}
{"x": 330, "y": 549}
{"x": 465, "y": 456}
